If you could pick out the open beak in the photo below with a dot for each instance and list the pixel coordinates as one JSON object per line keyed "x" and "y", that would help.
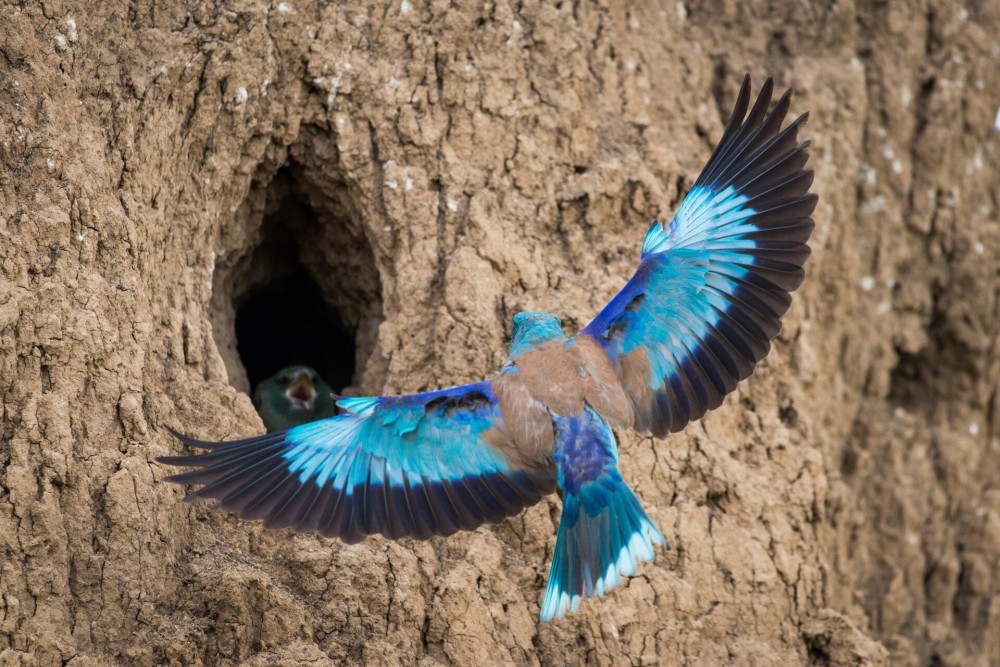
{"x": 301, "y": 393}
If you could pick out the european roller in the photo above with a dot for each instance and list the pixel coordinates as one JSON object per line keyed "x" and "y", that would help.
{"x": 693, "y": 321}
{"x": 293, "y": 396}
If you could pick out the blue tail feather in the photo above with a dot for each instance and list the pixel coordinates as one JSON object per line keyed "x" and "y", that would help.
{"x": 604, "y": 531}
{"x": 594, "y": 551}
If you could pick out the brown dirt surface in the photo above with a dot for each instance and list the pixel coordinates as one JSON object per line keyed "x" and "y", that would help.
{"x": 436, "y": 167}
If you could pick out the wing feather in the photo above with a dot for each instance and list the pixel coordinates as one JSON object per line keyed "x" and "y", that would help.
{"x": 714, "y": 282}
{"x": 419, "y": 465}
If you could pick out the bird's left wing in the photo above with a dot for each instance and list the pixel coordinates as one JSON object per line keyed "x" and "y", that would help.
{"x": 711, "y": 288}
{"x": 417, "y": 465}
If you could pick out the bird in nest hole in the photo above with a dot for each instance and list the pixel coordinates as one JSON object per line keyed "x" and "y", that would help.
{"x": 293, "y": 396}
{"x": 694, "y": 320}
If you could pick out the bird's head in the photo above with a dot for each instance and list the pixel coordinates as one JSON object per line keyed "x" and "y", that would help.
{"x": 293, "y": 396}
{"x": 532, "y": 330}
{"x": 297, "y": 386}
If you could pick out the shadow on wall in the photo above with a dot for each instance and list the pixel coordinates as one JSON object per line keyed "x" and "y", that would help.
{"x": 299, "y": 287}
{"x": 286, "y": 322}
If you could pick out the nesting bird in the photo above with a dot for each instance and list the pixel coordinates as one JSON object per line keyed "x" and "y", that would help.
{"x": 293, "y": 396}
{"x": 699, "y": 313}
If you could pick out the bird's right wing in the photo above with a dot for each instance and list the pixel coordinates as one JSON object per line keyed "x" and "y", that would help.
{"x": 712, "y": 285}
{"x": 418, "y": 465}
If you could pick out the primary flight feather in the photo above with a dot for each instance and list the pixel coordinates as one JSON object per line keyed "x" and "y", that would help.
{"x": 693, "y": 321}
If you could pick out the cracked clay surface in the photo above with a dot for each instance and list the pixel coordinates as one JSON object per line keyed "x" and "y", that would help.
{"x": 476, "y": 159}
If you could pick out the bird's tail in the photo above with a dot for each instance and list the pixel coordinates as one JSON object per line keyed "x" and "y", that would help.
{"x": 604, "y": 531}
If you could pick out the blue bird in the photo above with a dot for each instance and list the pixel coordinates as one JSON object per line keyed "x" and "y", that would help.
{"x": 293, "y": 396}
{"x": 693, "y": 321}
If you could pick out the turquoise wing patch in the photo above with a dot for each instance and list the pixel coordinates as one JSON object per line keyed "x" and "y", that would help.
{"x": 416, "y": 465}
{"x": 713, "y": 283}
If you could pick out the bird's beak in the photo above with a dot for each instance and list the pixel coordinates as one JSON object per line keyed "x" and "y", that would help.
{"x": 301, "y": 393}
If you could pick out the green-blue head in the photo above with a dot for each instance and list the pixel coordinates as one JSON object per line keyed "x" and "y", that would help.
{"x": 532, "y": 330}
{"x": 293, "y": 396}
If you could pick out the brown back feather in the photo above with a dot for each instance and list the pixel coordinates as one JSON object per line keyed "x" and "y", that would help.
{"x": 559, "y": 378}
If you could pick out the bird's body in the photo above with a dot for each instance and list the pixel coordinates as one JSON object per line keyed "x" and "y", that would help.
{"x": 691, "y": 323}
{"x": 293, "y": 396}
{"x": 568, "y": 398}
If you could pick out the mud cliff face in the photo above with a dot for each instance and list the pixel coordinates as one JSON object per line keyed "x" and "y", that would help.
{"x": 419, "y": 172}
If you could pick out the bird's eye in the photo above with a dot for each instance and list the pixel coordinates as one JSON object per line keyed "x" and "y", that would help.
{"x": 284, "y": 380}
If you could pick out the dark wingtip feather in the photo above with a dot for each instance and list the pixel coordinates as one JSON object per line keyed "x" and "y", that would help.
{"x": 740, "y": 108}
{"x": 189, "y": 441}
{"x": 744, "y": 133}
{"x": 216, "y": 444}
{"x": 192, "y": 460}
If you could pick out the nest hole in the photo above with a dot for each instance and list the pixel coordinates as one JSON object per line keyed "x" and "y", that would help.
{"x": 286, "y": 322}
{"x": 303, "y": 289}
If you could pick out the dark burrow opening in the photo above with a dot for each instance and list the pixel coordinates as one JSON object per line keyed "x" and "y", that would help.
{"x": 286, "y": 322}
{"x": 300, "y": 288}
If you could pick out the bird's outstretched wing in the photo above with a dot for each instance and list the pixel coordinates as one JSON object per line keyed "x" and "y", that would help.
{"x": 712, "y": 285}
{"x": 418, "y": 465}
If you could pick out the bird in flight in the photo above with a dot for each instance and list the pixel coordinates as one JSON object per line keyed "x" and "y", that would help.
{"x": 693, "y": 321}
{"x": 293, "y": 396}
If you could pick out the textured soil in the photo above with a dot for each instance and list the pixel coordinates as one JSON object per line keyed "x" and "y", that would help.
{"x": 429, "y": 169}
